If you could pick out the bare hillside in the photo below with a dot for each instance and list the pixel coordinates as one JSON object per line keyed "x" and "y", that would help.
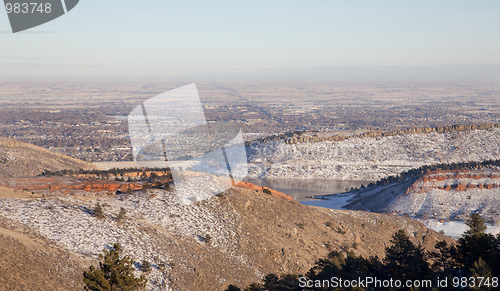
{"x": 19, "y": 159}
{"x": 235, "y": 237}
{"x": 29, "y": 262}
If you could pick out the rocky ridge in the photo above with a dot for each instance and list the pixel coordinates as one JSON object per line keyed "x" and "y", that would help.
{"x": 298, "y": 136}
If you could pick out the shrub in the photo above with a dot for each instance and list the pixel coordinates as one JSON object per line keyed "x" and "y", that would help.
{"x": 146, "y": 266}
{"x": 267, "y": 191}
{"x": 207, "y": 239}
{"x": 340, "y": 231}
{"x": 121, "y": 215}
{"x": 98, "y": 212}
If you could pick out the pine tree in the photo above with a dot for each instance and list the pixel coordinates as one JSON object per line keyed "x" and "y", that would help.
{"x": 481, "y": 269}
{"x": 475, "y": 244}
{"x": 113, "y": 273}
{"x": 271, "y": 281}
{"x": 121, "y": 215}
{"x": 325, "y": 269}
{"x": 232, "y": 287}
{"x": 476, "y": 224}
{"x": 445, "y": 258}
{"x": 98, "y": 212}
{"x": 404, "y": 260}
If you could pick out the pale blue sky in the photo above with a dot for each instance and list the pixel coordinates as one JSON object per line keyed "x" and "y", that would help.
{"x": 207, "y": 40}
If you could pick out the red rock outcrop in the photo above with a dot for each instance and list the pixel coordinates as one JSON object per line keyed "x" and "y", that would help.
{"x": 424, "y": 183}
{"x": 251, "y": 186}
{"x": 84, "y": 186}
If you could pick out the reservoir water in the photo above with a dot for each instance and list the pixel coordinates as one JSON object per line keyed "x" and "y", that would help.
{"x": 299, "y": 189}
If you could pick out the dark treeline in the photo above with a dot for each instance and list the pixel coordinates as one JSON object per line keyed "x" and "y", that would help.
{"x": 474, "y": 258}
{"x": 114, "y": 172}
{"x": 428, "y": 168}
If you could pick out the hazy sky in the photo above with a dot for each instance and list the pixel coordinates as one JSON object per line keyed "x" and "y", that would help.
{"x": 212, "y": 40}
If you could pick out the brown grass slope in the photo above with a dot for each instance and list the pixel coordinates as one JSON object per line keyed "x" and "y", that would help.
{"x": 275, "y": 235}
{"x": 19, "y": 159}
{"x": 280, "y": 236}
{"x": 27, "y": 262}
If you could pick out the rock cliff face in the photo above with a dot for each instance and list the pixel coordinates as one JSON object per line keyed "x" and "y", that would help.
{"x": 296, "y": 138}
{"x": 18, "y": 159}
{"x": 247, "y": 185}
{"x": 133, "y": 174}
{"x": 455, "y": 180}
{"x": 92, "y": 187}
{"x": 64, "y": 185}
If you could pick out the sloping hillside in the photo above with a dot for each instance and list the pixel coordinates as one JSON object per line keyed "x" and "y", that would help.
{"x": 442, "y": 195}
{"x": 441, "y": 199}
{"x": 19, "y": 159}
{"x": 235, "y": 237}
{"x": 29, "y": 262}
{"x": 452, "y": 195}
{"x": 366, "y": 157}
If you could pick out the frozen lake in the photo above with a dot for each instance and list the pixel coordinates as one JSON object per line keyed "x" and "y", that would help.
{"x": 300, "y": 188}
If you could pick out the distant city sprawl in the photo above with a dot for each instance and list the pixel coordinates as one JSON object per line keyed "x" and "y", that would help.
{"x": 88, "y": 120}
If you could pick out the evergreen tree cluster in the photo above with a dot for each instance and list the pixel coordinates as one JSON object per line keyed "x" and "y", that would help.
{"x": 114, "y": 273}
{"x": 476, "y": 254}
{"x": 105, "y": 173}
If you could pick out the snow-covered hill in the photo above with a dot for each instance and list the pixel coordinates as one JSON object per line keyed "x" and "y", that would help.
{"x": 452, "y": 196}
{"x": 235, "y": 237}
{"x": 370, "y": 158}
{"x": 442, "y": 200}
